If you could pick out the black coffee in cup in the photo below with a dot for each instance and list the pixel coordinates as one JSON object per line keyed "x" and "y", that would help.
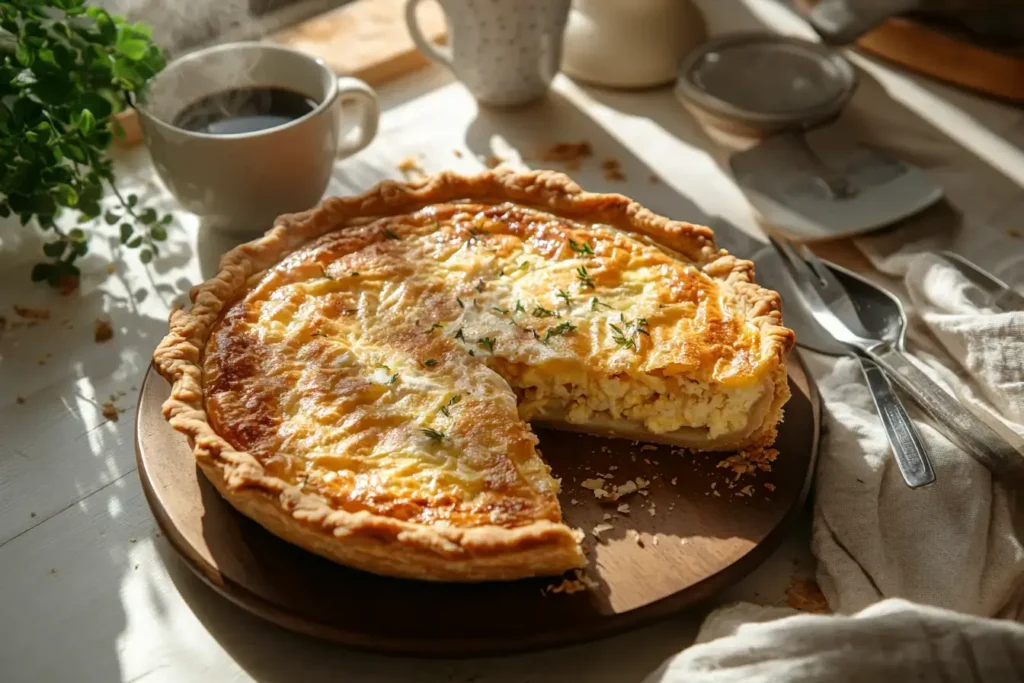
{"x": 244, "y": 110}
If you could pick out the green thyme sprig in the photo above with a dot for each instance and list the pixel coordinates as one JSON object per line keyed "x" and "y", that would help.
{"x": 628, "y": 335}
{"x": 435, "y": 435}
{"x": 486, "y": 343}
{"x": 452, "y": 402}
{"x": 582, "y": 249}
{"x": 560, "y": 330}
{"x": 583, "y": 276}
{"x": 565, "y": 296}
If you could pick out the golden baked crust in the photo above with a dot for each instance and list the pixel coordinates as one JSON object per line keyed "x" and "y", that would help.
{"x": 345, "y": 380}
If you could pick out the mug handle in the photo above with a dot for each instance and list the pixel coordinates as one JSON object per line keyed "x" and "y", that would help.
{"x": 441, "y": 55}
{"x": 354, "y": 90}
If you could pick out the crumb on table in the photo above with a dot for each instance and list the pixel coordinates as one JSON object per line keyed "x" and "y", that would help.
{"x": 805, "y": 595}
{"x": 32, "y": 313}
{"x": 568, "y": 154}
{"x": 102, "y": 329}
{"x": 110, "y": 411}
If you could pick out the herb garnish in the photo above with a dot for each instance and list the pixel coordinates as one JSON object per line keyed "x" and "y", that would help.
{"x": 564, "y": 295}
{"x": 459, "y": 335}
{"x": 560, "y": 330}
{"x": 435, "y": 434}
{"x": 451, "y": 402}
{"x": 519, "y": 307}
{"x": 480, "y": 285}
{"x": 584, "y": 277}
{"x": 582, "y": 249}
{"x": 435, "y": 326}
{"x": 474, "y": 234}
{"x": 627, "y": 336}
{"x": 595, "y": 302}
{"x": 390, "y": 234}
{"x": 461, "y": 305}
{"x": 355, "y": 273}
{"x": 486, "y": 343}
{"x": 541, "y": 312}
{"x": 499, "y": 309}
{"x": 430, "y": 362}
{"x": 394, "y": 378}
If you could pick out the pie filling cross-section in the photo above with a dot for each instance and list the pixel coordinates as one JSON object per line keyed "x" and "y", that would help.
{"x": 360, "y": 380}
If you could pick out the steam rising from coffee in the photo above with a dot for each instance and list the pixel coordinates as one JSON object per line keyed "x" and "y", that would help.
{"x": 180, "y": 25}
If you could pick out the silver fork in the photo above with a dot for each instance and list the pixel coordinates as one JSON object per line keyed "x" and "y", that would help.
{"x": 907, "y": 445}
{"x": 825, "y": 303}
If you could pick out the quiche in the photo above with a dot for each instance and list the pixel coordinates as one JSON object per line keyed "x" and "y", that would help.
{"x": 362, "y": 379}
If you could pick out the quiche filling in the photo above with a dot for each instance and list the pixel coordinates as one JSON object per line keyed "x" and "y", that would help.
{"x": 361, "y": 380}
{"x": 369, "y": 333}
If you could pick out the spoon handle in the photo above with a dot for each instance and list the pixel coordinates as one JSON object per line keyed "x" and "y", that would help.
{"x": 972, "y": 434}
{"x": 906, "y": 443}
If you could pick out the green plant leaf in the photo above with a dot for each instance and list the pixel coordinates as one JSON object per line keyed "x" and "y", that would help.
{"x": 66, "y": 194}
{"x": 135, "y": 243}
{"x": 158, "y": 233}
{"x": 110, "y": 218}
{"x": 23, "y": 55}
{"x": 77, "y": 235}
{"x": 41, "y": 272}
{"x": 133, "y": 199}
{"x": 145, "y": 256}
{"x": 54, "y": 249}
{"x": 148, "y": 216}
{"x": 126, "y": 232}
{"x": 132, "y": 48}
{"x": 86, "y": 121}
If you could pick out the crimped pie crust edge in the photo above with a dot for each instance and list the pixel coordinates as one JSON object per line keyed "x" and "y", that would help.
{"x": 382, "y": 544}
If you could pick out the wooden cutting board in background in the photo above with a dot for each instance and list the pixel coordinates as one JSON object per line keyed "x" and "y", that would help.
{"x": 367, "y": 39}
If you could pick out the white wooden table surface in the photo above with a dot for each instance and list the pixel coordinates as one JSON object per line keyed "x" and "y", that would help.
{"x": 88, "y": 589}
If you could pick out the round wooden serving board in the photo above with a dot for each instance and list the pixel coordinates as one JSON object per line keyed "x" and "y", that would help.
{"x": 697, "y": 536}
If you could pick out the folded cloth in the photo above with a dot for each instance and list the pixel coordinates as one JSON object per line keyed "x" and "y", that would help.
{"x": 954, "y": 543}
{"x": 893, "y": 640}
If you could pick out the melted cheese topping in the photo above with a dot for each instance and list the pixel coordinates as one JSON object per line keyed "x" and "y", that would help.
{"x": 385, "y": 366}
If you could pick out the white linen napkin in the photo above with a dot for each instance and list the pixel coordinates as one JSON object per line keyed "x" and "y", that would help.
{"x": 953, "y": 545}
{"x": 893, "y": 640}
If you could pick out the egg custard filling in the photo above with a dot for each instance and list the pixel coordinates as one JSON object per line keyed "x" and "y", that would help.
{"x": 361, "y": 380}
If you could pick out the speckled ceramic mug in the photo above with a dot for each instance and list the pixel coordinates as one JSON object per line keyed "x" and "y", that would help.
{"x": 505, "y": 51}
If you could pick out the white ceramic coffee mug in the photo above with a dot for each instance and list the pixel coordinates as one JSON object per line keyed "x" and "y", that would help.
{"x": 242, "y": 182}
{"x": 505, "y": 51}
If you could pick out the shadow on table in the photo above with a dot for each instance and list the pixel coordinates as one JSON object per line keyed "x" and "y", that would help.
{"x": 270, "y": 654}
{"x": 530, "y": 132}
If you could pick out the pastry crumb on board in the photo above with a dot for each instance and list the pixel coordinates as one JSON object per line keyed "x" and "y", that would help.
{"x": 580, "y": 582}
